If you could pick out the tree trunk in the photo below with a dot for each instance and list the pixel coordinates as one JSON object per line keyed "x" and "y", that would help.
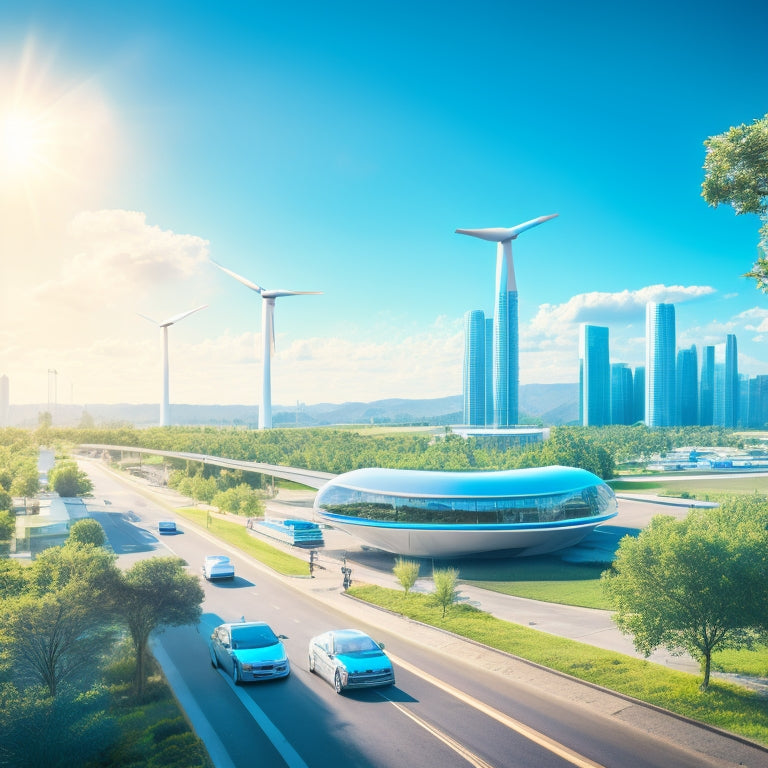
{"x": 707, "y": 666}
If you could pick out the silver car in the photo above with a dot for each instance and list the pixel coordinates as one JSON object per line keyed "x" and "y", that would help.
{"x": 348, "y": 658}
{"x": 249, "y": 650}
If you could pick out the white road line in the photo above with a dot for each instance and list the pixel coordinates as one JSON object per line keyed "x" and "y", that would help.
{"x": 204, "y": 730}
{"x": 271, "y": 731}
{"x": 529, "y": 733}
{"x": 460, "y": 749}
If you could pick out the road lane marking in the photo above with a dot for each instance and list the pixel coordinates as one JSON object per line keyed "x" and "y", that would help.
{"x": 202, "y": 726}
{"x": 460, "y": 749}
{"x": 529, "y": 733}
{"x": 271, "y": 731}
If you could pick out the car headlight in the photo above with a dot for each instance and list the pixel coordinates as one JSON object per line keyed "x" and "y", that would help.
{"x": 247, "y": 667}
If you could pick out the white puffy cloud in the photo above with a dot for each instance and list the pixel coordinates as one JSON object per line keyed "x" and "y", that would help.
{"x": 118, "y": 255}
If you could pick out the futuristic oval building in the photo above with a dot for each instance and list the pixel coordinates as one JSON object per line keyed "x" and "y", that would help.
{"x": 454, "y": 514}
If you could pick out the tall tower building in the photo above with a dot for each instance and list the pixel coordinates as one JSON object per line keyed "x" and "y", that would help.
{"x": 506, "y": 370}
{"x": 638, "y": 394}
{"x": 594, "y": 376}
{"x": 731, "y": 382}
{"x": 488, "y": 371}
{"x": 474, "y": 368}
{"x": 707, "y": 387}
{"x": 659, "y": 364}
{"x": 622, "y": 400}
{"x": 687, "y": 388}
{"x": 757, "y": 417}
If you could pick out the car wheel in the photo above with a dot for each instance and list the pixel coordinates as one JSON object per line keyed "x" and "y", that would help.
{"x": 235, "y": 673}
{"x": 311, "y": 662}
{"x": 337, "y": 682}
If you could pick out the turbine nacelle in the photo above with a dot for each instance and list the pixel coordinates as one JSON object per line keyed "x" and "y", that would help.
{"x": 503, "y": 234}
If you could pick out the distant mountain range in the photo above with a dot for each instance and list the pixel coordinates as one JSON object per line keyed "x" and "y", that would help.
{"x": 550, "y": 404}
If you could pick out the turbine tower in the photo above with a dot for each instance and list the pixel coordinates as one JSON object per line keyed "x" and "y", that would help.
{"x": 506, "y": 361}
{"x": 165, "y": 408}
{"x": 268, "y": 338}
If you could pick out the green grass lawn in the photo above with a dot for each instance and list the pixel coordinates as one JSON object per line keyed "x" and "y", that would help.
{"x": 539, "y": 578}
{"x": 727, "y": 706}
{"x": 237, "y": 535}
{"x": 703, "y": 489}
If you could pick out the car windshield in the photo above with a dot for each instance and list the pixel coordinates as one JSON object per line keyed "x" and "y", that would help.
{"x": 355, "y": 644}
{"x": 252, "y": 637}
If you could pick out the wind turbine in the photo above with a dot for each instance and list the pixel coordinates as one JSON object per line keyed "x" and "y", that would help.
{"x": 165, "y": 407}
{"x": 505, "y": 327}
{"x": 268, "y": 338}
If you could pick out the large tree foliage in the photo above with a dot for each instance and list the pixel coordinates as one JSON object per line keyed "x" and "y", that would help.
{"x": 57, "y": 627}
{"x": 736, "y": 172}
{"x": 69, "y": 730}
{"x": 157, "y": 593}
{"x": 87, "y": 531}
{"x": 68, "y": 480}
{"x": 695, "y": 585}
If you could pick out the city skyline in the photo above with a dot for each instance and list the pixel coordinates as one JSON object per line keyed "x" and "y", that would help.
{"x": 320, "y": 148}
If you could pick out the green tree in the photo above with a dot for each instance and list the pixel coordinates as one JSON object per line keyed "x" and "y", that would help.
{"x": 68, "y": 480}
{"x": 7, "y": 524}
{"x": 87, "y": 531}
{"x": 157, "y": 593}
{"x": 695, "y": 585}
{"x": 736, "y": 172}
{"x": 55, "y": 629}
{"x": 446, "y": 593}
{"x": 70, "y": 730}
{"x": 406, "y": 572}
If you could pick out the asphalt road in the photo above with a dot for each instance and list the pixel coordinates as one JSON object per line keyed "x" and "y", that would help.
{"x": 443, "y": 711}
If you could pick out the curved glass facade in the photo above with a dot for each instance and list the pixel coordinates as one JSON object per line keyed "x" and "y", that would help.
{"x": 595, "y": 501}
{"x": 529, "y": 497}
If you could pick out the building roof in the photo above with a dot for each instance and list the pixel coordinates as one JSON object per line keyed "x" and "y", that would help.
{"x": 537, "y": 481}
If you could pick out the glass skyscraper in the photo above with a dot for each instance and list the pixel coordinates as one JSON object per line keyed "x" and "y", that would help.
{"x": 687, "y": 388}
{"x": 660, "y": 343}
{"x": 707, "y": 387}
{"x": 622, "y": 401}
{"x": 474, "y": 367}
{"x": 506, "y": 361}
{"x": 488, "y": 371}
{"x": 638, "y": 394}
{"x": 594, "y": 376}
{"x": 731, "y": 405}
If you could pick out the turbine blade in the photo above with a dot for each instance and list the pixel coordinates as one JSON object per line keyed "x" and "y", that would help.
{"x": 278, "y": 293}
{"x": 154, "y": 322}
{"x": 182, "y": 315}
{"x": 244, "y": 280}
{"x": 502, "y": 234}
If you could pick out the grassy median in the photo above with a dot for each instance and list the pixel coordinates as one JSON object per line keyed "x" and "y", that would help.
{"x": 724, "y": 705}
{"x": 238, "y": 536}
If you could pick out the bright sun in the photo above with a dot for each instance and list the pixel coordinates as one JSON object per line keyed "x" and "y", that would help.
{"x": 23, "y": 145}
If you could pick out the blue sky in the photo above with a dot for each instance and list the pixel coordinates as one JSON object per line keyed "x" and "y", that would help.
{"x": 336, "y": 147}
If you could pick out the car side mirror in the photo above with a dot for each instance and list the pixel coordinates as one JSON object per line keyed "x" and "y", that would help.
{"x": 282, "y": 637}
{"x": 381, "y": 645}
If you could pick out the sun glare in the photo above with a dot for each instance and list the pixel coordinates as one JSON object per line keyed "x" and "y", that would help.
{"x": 22, "y": 141}
{"x": 57, "y": 138}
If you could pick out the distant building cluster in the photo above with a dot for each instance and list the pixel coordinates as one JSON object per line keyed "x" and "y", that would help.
{"x": 674, "y": 387}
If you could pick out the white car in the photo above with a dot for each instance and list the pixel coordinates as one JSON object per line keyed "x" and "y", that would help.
{"x": 218, "y": 567}
{"x": 348, "y": 658}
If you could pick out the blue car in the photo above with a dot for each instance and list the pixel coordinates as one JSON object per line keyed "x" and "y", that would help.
{"x": 249, "y": 650}
{"x": 348, "y": 658}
